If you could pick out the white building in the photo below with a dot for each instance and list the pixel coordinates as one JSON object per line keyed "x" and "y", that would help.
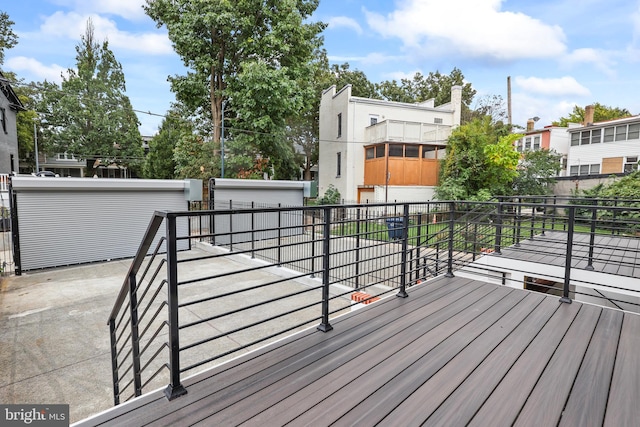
{"x": 363, "y": 141}
{"x": 604, "y": 148}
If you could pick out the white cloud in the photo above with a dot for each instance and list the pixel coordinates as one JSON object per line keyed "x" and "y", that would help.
{"x": 72, "y": 25}
{"x": 344, "y": 22}
{"x": 473, "y": 28}
{"x": 558, "y": 87}
{"x": 373, "y": 58}
{"x": 128, "y": 9}
{"x": 600, "y": 59}
{"x": 525, "y": 107}
{"x": 36, "y": 69}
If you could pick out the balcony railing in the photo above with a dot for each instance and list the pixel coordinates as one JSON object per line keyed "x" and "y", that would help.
{"x": 263, "y": 273}
{"x": 411, "y": 132}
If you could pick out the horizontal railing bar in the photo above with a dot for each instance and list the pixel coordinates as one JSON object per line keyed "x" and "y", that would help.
{"x": 242, "y": 347}
{"x": 248, "y": 307}
{"x": 251, "y": 288}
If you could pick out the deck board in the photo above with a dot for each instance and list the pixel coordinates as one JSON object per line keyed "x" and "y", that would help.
{"x": 456, "y": 351}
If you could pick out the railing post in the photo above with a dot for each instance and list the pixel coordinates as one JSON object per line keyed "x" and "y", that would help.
{"x": 498, "y": 241}
{"x": 325, "y": 326}
{"x": 175, "y": 387}
{"x": 533, "y": 220}
{"x": 592, "y": 238}
{"x": 253, "y": 230}
{"x": 279, "y": 234}
{"x": 403, "y": 256}
{"x": 230, "y": 227}
{"x": 135, "y": 337}
{"x": 544, "y": 215}
{"x": 567, "y": 267}
{"x": 313, "y": 243}
{"x": 615, "y": 211}
{"x": 518, "y": 224}
{"x": 357, "y": 275}
{"x": 114, "y": 361}
{"x": 452, "y": 219}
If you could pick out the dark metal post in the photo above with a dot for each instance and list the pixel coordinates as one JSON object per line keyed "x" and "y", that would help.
{"x": 615, "y": 211}
{"x": 253, "y": 230}
{"x": 533, "y": 220}
{"x": 279, "y": 250}
{"x": 498, "y": 241}
{"x": 135, "y": 337}
{"x": 114, "y": 361}
{"x": 474, "y": 250}
{"x": 175, "y": 387}
{"x": 592, "y": 237}
{"x": 518, "y": 224}
{"x": 567, "y": 267}
{"x": 544, "y": 215}
{"x": 313, "y": 243}
{"x": 231, "y": 227}
{"x": 325, "y": 326}
{"x": 357, "y": 275}
{"x": 403, "y": 256}
{"x": 15, "y": 234}
{"x": 452, "y": 217}
{"x": 553, "y": 218}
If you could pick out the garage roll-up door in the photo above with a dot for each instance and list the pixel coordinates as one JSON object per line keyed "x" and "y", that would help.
{"x": 65, "y": 221}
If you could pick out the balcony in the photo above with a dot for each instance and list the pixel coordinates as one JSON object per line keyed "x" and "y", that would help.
{"x": 411, "y": 132}
{"x": 446, "y": 340}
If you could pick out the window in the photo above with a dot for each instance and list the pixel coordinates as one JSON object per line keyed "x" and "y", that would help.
{"x": 395, "y": 150}
{"x": 412, "y": 151}
{"x": 339, "y": 125}
{"x": 3, "y": 119}
{"x": 564, "y": 162}
{"x": 585, "y": 136}
{"x": 608, "y": 134}
{"x": 338, "y": 164}
{"x": 584, "y": 169}
{"x": 373, "y": 119}
{"x": 575, "y": 138}
{"x": 573, "y": 170}
{"x": 634, "y": 131}
{"x": 380, "y": 151}
{"x": 595, "y": 136}
{"x": 370, "y": 153}
{"x": 536, "y": 143}
{"x": 437, "y": 121}
{"x": 621, "y": 133}
{"x": 594, "y": 170}
{"x": 527, "y": 144}
{"x": 631, "y": 164}
{"x": 519, "y": 145}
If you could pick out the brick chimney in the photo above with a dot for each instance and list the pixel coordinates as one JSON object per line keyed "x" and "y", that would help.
{"x": 588, "y": 115}
{"x": 530, "y": 124}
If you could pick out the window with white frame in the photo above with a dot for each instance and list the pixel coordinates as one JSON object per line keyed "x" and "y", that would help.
{"x": 437, "y": 120}
{"x": 338, "y": 164}
{"x": 373, "y": 119}
{"x": 339, "y": 125}
{"x": 575, "y": 138}
{"x": 634, "y": 131}
{"x": 536, "y": 143}
{"x": 595, "y": 136}
{"x": 630, "y": 164}
{"x": 608, "y": 134}
{"x": 621, "y": 133}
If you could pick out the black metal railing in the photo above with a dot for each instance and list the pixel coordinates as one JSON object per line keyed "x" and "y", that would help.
{"x": 211, "y": 284}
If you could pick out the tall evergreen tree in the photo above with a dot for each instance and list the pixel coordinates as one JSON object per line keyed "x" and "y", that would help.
{"x": 89, "y": 115}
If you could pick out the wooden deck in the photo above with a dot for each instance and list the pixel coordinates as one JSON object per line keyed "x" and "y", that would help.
{"x": 611, "y": 254}
{"x": 455, "y": 352}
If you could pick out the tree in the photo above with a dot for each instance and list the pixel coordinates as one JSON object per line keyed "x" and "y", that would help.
{"x": 193, "y": 159}
{"x": 601, "y": 113}
{"x": 536, "y": 172}
{"x": 160, "y": 163}
{"x": 224, "y": 44}
{"x": 342, "y": 75}
{"x": 90, "y": 115}
{"x": 8, "y": 38}
{"x": 421, "y": 88}
{"x": 481, "y": 161}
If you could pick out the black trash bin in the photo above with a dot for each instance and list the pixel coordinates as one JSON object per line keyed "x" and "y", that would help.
{"x": 394, "y": 225}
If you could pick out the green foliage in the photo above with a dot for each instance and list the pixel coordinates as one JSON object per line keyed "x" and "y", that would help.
{"x": 481, "y": 161}
{"x": 330, "y": 197}
{"x": 193, "y": 158}
{"x": 421, "y": 88}
{"x": 230, "y": 46}
{"x": 8, "y": 38}
{"x": 601, "y": 113}
{"x": 160, "y": 163}
{"x": 90, "y": 115}
{"x": 342, "y": 75}
{"x": 536, "y": 173}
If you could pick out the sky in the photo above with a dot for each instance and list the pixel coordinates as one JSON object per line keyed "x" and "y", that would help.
{"x": 557, "y": 53}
